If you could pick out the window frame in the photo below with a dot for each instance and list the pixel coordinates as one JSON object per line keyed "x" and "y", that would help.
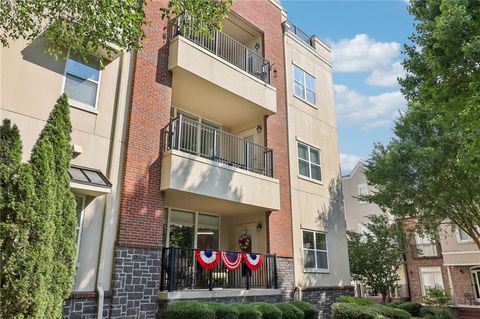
{"x": 459, "y": 237}
{"x": 315, "y": 250}
{"x": 80, "y": 227}
{"x": 75, "y": 103}
{"x": 310, "y": 163}
{"x": 429, "y": 270}
{"x": 304, "y": 85}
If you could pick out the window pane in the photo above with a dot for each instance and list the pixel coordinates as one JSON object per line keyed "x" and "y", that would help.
{"x": 308, "y": 259}
{"x": 314, "y": 156}
{"x": 463, "y": 235}
{"x": 77, "y": 174}
{"x": 322, "y": 261}
{"x": 302, "y": 151}
{"x": 311, "y": 97}
{"x": 298, "y": 74}
{"x": 310, "y": 82}
{"x": 321, "y": 241}
{"x": 207, "y": 232}
{"x": 95, "y": 177}
{"x": 81, "y": 90}
{"x": 316, "y": 172}
{"x": 80, "y": 201}
{"x": 303, "y": 168}
{"x": 82, "y": 71}
{"x": 308, "y": 239}
{"x": 182, "y": 218}
{"x": 299, "y": 90}
{"x": 181, "y": 236}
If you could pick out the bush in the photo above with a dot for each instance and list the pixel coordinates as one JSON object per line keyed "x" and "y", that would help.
{"x": 289, "y": 311}
{"x": 390, "y": 312}
{"x": 309, "y": 310}
{"x": 223, "y": 311}
{"x": 355, "y": 300}
{"x": 268, "y": 310}
{"x": 435, "y": 313}
{"x": 412, "y": 308}
{"x": 190, "y": 310}
{"x": 436, "y": 297}
{"x": 352, "y": 311}
{"x": 245, "y": 311}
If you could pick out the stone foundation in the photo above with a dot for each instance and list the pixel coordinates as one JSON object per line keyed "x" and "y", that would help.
{"x": 84, "y": 306}
{"x": 135, "y": 283}
{"x": 285, "y": 275}
{"x": 324, "y": 297}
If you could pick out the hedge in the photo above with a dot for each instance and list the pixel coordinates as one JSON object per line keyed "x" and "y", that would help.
{"x": 412, "y": 308}
{"x": 309, "y": 310}
{"x": 355, "y": 300}
{"x": 268, "y": 310}
{"x": 223, "y": 311}
{"x": 343, "y": 310}
{"x": 190, "y": 310}
{"x": 390, "y": 312}
{"x": 435, "y": 313}
{"x": 289, "y": 311}
{"x": 246, "y": 311}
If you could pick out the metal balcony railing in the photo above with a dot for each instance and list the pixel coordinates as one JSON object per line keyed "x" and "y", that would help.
{"x": 298, "y": 32}
{"x": 426, "y": 250}
{"x": 180, "y": 270}
{"x": 188, "y": 135}
{"x": 226, "y": 48}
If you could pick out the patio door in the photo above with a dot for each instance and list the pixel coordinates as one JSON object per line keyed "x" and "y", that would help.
{"x": 475, "y": 271}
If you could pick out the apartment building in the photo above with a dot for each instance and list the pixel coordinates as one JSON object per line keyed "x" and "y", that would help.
{"x": 31, "y": 82}
{"x": 356, "y": 213}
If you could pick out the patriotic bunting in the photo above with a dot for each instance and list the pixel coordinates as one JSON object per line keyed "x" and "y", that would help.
{"x": 208, "y": 259}
{"x": 253, "y": 261}
{"x": 231, "y": 260}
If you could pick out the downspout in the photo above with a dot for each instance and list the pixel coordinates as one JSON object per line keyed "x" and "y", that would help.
{"x": 113, "y": 174}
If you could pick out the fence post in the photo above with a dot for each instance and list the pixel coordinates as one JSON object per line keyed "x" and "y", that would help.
{"x": 162, "y": 271}
{"x": 179, "y": 131}
{"x": 275, "y": 276}
{"x": 172, "y": 271}
{"x": 214, "y": 144}
{"x": 210, "y": 281}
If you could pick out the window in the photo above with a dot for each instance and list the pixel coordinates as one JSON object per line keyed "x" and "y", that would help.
{"x": 82, "y": 82}
{"x": 475, "y": 272}
{"x": 426, "y": 247}
{"x": 80, "y": 214}
{"x": 430, "y": 277}
{"x": 304, "y": 85}
{"x": 362, "y": 190}
{"x": 309, "y": 162}
{"x": 462, "y": 236}
{"x": 315, "y": 256}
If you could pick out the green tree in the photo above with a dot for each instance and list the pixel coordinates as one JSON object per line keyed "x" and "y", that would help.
{"x": 16, "y": 216}
{"x": 375, "y": 255}
{"x": 429, "y": 171}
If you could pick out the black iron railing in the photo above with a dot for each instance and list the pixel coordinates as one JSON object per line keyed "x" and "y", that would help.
{"x": 180, "y": 270}
{"x": 193, "y": 137}
{"x": 426, "y": 250}
{"x": 298, "y": 32}
{"x": 226, "y": 48}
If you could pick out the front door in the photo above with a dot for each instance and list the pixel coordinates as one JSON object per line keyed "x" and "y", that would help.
{"x": 251, "y": 231}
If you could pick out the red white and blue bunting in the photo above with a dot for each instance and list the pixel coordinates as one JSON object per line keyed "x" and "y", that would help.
{"x": 208, "y": 259}
{"x": 231, "y": 260}
{"x": 253, "y": 261}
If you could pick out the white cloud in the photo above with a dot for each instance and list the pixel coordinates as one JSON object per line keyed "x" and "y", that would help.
{"x": 370, "y": 111}
{"x": 361, "y": 54}
{"x": 386, "y": 76}
{"x": 348, "y": 162}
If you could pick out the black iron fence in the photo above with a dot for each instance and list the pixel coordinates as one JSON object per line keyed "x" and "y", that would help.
{"x": 180, "y": 270}
{"x": 226, "y": 48}
{"x": 197, "y": 138}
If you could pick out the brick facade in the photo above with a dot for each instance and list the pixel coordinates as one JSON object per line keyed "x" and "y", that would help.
{"x": 462, "y": 283}
{"x": 324, "y": 297}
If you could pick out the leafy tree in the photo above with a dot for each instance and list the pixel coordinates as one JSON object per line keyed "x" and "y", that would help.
{"x": 429, "y": 171}
{"x": 16, "y": 215}
{"x": 436, "y": 297}
{"x": 375, "y": 255}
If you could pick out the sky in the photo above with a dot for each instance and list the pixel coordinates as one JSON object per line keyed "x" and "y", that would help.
{"x": 367, "y": 39}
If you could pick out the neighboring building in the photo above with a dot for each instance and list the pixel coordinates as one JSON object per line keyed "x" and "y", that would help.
{"x": 31, "y": 82}
{"x": 356, "y": 211}
{"x": 209, "y": 141}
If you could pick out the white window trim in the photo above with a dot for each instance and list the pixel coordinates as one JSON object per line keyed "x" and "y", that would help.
{"x": 304, "y": 98}
{"x": 475, "y": 269}
{"x": 358, "y": 192}
{"x": 459, "y": 238}
{"x": 309, "y": 178}
{"x": 77, "y": 104}
{"x": 427, "y": 270}
{"x": 315, "y": 270}
{"x": 80, "y": 228}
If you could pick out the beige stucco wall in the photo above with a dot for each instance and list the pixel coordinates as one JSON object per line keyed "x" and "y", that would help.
{"x": 31, "y": 82}
{"x": 456, "y": 252}
{"x": 316, "y": 206}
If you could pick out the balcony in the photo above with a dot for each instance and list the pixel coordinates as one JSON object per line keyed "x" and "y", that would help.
{"x": 432, "y": 250}
{"x": 215, "y": 164}
{"x": 180, "y": 270}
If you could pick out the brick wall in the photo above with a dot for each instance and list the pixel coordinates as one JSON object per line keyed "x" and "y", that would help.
{"x": 462, "y": 283}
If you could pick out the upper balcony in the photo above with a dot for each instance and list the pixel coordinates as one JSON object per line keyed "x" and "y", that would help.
{"x": 224, "y": 67}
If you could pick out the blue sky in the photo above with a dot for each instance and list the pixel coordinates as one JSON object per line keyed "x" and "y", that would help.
{"x": 367, "y": 38}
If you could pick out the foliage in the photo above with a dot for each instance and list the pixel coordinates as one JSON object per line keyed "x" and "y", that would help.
{"x": 435, "y": 313}
{"x": 352, "y": 311}
{"x": 375, "y": 255}
{"x": 289, "y": 311}
{"x": 436, "y": 297}
{"x": 189, "y": 310}
{"x": 16, "y": 215}
{"x": 223, "y": 311}
{"x": 389, "y": 312}
{"x": 412, "y": 308}
{"x": 204, "y": 15}
{"x": 309, "y": 310}
{"x": 429, "y": 171}
{"x": 247, "y": 311}
{"x": 268, "y": 310}
{"x": 355, "y": 300}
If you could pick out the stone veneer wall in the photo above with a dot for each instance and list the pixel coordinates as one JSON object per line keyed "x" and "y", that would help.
{"x": 324, "y": 297}
{"x": 84, "y": 306}
{"x": 285, "y": 275}
{"x": 135, "y": 282}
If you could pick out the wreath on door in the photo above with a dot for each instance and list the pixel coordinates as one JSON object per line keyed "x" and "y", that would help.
{"x": 245, "y": 242}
